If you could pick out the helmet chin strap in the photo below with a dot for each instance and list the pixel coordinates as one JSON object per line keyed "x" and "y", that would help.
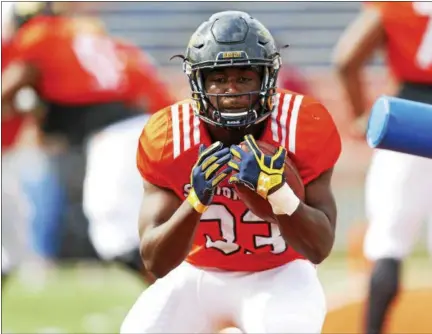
{"x": 236, "y": 114}
{"x": 225, "y": 117}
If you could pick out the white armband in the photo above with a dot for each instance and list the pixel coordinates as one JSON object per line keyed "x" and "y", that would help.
{"x": 284, "y": 201}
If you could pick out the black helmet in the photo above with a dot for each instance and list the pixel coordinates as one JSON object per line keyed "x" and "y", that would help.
{"x": 227, "y": 39}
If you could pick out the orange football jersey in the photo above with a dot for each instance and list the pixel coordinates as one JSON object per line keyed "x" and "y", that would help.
{"x": 7, "y": 53}
{"x": 77, "y": 60}
{"x": 408, "y": 27}
{"x": 144, "y": 81}
{"x": 231, "y": 237}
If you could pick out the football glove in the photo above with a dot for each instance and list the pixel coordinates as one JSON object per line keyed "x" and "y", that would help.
{"x": 262, "y": 173}
{"x": 204, "y": 176}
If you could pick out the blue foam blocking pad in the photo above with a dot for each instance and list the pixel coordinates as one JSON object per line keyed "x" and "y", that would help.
{"x": 401, "y": 125}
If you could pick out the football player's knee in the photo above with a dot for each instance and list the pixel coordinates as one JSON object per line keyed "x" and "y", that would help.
{"x": 125, "y": 327}
{"x": 308, "y": 320}
{"x": 140, "y": 321}
{"x": 295, "y": 323}
{"x": 130, "y": 325}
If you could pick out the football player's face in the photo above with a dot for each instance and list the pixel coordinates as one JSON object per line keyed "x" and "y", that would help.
{"x": 234, "y": 80}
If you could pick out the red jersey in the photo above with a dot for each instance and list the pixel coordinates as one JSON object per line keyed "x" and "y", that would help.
{"x": 144, "y": 81}
{"x": 78, "y": 62}
{"x": 7, "y": 54}
{"x": 230, "y": 237}
{"x": 10, "y": 128}
{"x": 408, "y": 27}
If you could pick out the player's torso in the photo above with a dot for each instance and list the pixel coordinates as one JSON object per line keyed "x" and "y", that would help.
{"x": 78, "y": 62}
{"x": 7, "y": 53}
{"x": 230, "y": 236}
{"x": 408, "y": 27}
{"x": 144, "y": 84}
{"x": 135, "y": 64}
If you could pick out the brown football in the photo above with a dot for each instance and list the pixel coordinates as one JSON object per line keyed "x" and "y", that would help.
{"x": 255, "y": 202}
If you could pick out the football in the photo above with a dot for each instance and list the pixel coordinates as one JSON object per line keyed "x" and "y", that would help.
{"x": 260, "y": 206}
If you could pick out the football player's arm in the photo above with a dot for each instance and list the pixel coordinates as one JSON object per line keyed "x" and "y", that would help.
{"x": 310, "y": 229}
{"x": 166, "y": 228}
{"x": 308, "y": 226}
{"x": 29, "y": 46}
{"x": 356, "y": 45}
{"x": 17, "y": 75}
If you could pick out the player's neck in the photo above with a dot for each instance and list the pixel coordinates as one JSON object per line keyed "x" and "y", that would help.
{"x": 234, "y": 137}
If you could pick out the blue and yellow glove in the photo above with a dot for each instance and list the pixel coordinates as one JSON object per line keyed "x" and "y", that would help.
{"x": 204, "y": 176}
{"x": 262, "y": 173}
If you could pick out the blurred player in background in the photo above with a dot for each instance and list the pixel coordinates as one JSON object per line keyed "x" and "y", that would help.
{"x": 398, "y": 186}
{"x": 146, "y": 88}
{"x": 218, "y": 263}
{"x": 15, "y": 206}
{"x": 113, "y": 186}
{"x": 89, "y": 81}
{"x": 291, "y": 78}
{"x": 38, "y": 184}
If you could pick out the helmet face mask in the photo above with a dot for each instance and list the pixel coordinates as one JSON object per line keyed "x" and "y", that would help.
{"x": 232, "y": 40}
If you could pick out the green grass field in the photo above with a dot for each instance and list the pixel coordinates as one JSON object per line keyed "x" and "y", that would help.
{"x": 90, "y": 298}
{"x": 75, "y": 299}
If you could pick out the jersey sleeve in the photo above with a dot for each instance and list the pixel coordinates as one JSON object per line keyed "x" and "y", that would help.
{"x": 318, "y": 143}
{"x": 151, "y": 152}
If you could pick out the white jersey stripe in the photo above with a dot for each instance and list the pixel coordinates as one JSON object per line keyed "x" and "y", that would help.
{"x": 191, "y": 125}
{"x": 284, "y": 117}
{"x": 274, "y": 123}
{"x": 186, "y": 126}
{"x": 196, "y": 130}
{"x": 175, "y": 130}
{"x": 293, "y": 123}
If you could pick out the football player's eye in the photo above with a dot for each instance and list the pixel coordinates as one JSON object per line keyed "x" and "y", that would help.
{"x": 245, "y": 79}
{"x": 219, "y": 79}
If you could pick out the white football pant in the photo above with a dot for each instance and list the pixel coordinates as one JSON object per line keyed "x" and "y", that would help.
{"x": 398, "y": 201}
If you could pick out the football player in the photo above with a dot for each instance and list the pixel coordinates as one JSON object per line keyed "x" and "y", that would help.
{"x": 89, "y": 84}
{"x": 112, "y": 184}
{"x": 75, "y": 99}
{"x": 217, "y": 262}
{"x": 15, "y": 211}
{"x": 398, "y": 185}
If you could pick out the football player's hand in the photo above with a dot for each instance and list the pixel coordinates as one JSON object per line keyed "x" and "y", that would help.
{"x": 262, "y": 173}
{"x": 205, "y": 176}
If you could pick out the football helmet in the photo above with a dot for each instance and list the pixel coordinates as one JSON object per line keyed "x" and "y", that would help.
{"x": 228, "y": 39}
{"x": 24, "y": 11}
